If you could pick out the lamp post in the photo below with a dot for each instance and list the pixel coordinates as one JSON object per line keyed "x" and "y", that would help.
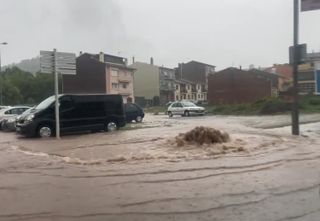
{"x": 1, "y": 89}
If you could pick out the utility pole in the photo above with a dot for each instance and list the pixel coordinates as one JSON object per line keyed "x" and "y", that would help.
{"x": 1, "y": 78}
{"x": 56, "y": 93}
{"x": 295, "y": 104}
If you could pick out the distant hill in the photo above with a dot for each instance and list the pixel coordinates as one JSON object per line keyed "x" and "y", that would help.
{"x": 30, "y": 65}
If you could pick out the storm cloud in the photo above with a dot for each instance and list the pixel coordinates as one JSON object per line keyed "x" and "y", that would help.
{"x": 222, "y": 33}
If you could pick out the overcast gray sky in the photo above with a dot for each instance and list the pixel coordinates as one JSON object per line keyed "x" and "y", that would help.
{"x": 222, "y": 33}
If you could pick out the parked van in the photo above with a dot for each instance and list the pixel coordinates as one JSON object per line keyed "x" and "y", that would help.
{"x": 77, "y": 113}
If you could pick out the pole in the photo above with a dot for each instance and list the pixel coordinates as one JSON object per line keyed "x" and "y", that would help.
{"x": 1, "y": 78}
{"x": 295, "y": 105}
{"x": 56, "y": 92}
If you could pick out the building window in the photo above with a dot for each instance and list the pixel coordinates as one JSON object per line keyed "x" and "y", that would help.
{"x": 177, "y": 87}
{"x": 114, "y": 72}
{"x": 306, "y": 76}
{"x": 124, "y": 85}
{"x": 308, "y": 88}
{"x": 114, "y": 85}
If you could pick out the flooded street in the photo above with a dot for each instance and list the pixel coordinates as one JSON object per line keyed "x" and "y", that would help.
{"x": 139, "y": 173}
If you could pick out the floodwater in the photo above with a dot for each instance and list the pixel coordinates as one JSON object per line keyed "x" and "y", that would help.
{"x": 140, "y": 173}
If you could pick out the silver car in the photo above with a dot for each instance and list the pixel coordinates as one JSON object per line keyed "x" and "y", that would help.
{"x": 185, "y": 108}
{"x": 11, "y": 112}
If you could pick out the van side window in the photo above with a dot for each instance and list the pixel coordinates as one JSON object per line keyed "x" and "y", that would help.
{"x": 66, "y": 104}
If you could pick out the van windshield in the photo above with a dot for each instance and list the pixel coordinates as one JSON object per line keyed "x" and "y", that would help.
{"x": 45, "y": 103}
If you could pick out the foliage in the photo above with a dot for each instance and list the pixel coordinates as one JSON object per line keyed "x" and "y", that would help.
{"x": 308, "y": 104}
{"x": 155, "y": 110}
{"x": 20, "y": 87}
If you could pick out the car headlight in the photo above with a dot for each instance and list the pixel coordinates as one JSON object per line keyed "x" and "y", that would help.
{"x": 29, "y": 118}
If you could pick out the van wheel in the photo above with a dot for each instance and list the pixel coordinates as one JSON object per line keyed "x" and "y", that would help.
{"x": 186, "y": 114}
{"x": 170, "y": 114}
{"x": 45, "y": 131}
{"x": 111, "y": 126}
{"x": 138, "y": 119}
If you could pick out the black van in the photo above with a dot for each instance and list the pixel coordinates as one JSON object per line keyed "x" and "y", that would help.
{"x": 77, "y": 113}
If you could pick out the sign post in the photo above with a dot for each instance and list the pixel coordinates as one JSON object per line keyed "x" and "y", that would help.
{"x": 306, "y": 5}
{"x": 295, "y": 104}
{"x": 53, "y": 62}
{"x": 56, "y": 93}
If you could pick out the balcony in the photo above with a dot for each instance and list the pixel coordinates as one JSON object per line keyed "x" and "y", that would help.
{"x": 125, "y": 78}
{"x": 125, "y": 91}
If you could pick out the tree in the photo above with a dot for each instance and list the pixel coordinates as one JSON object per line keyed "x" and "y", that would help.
{"x": 20, "y": 87}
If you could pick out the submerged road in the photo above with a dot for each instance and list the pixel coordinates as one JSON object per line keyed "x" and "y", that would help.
{"x": 141, "y": 175}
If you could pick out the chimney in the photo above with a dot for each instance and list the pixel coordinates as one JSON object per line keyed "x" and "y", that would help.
{"x": 80, "y": 53}
{"x": 240, "y": 67}
{"x": 151, "y": 60}
{"x": 133, "y": 60}
{"x": 101, "y": 57}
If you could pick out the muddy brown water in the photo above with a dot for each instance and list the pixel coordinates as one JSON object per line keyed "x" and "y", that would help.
{"x": 141, "y": 174}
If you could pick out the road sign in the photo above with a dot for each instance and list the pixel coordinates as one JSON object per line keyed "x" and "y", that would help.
{"x": 65, "y": 63}
{"x": 53, "y": 62}
{"x": 302, "y": 54}
{"x": 309, "y": 5}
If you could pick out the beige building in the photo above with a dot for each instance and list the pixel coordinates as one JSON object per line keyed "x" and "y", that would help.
{"x": 146, "y": 82}
{"x": 153, "y": 85}
{"x": 307, "y": 79}
{"x": 187, "y": 90}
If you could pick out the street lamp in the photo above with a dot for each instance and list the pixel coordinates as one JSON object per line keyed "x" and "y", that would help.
{"x": 1, "y": 89}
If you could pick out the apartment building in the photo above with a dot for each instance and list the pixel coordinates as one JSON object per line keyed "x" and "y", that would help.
{"x": 196, "y": 75}
{"x": 153, "y": 85}
{"x": 101, "y": 73}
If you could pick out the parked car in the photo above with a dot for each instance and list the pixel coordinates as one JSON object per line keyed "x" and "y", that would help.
{"x": 9, "y": 124}
{"x": 10, "y": 112}
{"x": 77, "y": 113}
{"x": 185, "y": 108}
{"x": 133, "y": 112}
{"x": 3, "y": 107}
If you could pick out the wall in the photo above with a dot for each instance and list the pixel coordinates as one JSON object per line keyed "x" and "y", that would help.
{"x": 90, "y": 77}
{"x": 232, "y": 86}
{"x": 146, "y": 80}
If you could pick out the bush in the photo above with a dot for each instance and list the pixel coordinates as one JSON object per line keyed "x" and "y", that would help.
{"x": 314, "y": 101}
{"x": 273, "y": 106}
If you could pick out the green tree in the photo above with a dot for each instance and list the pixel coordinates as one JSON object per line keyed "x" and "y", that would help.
{"x": 20, "y": 87}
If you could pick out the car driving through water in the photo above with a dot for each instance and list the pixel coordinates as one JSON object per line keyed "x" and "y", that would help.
{"x": 185, "y": 108}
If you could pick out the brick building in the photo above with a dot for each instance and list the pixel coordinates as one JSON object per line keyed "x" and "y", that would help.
{"x": 233, "y": 85}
